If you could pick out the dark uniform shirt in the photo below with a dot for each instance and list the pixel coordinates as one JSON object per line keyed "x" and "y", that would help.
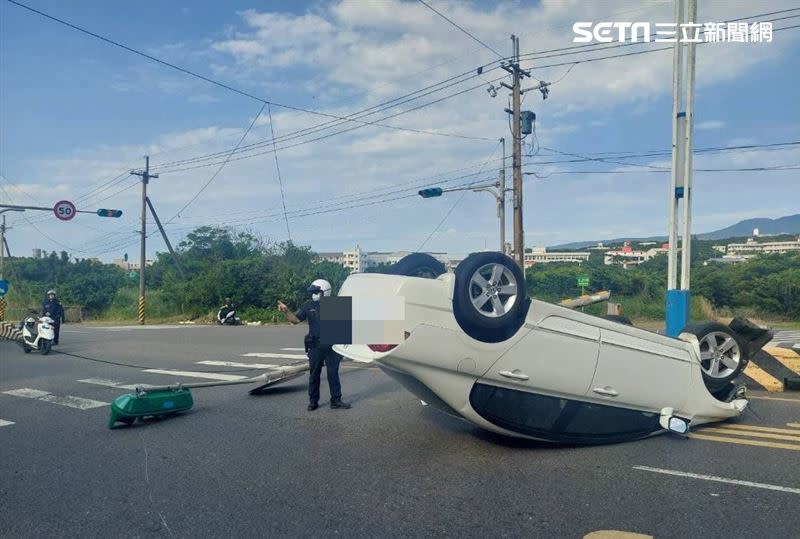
{"x": 310, "y": 311}
{"x": 55, "y": 309}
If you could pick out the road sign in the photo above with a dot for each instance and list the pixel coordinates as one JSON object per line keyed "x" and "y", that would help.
{"x": 3, "y": 288}
{"x": 583, "y": 282}
{"x": 109, "y": 213}
{"x": 64, "y": 210}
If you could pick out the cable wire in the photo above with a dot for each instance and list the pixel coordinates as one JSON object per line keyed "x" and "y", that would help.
{"x": 278, "y": 168}
{"x": 445, "y": 17}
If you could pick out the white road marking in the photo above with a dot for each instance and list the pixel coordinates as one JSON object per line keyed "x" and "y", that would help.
{"x": 113, "y": 383}
{"x": 4, "y": 423}
{"x": 293, "y": 349}
{"x": 45, "y": 396}
{"x": 739, "y": 482}
{"x": 235, "y": 364}
{"x": 275, "y": 356}
{"x": 27, "y": 393}
{"x": 191, "y": 374}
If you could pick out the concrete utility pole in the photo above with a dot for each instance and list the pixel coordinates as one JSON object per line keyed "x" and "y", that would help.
{"x": 678, "y": 300}
{"x": 518, "y": 74}
{"x": 501, "y": 202}
{"x": 145, "y": 174}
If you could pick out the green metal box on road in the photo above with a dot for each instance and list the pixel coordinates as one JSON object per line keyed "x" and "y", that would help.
{"x": 126, "y": 408}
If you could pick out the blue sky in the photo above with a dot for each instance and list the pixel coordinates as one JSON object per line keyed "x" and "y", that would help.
{"x": 76, "y": 112}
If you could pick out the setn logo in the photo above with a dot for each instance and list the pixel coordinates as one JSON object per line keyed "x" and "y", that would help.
{"x": 606, "y": 32}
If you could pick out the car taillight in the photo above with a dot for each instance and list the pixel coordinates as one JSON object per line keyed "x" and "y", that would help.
{"x": 385, "y": 347}
{"x": 381, "y": 347}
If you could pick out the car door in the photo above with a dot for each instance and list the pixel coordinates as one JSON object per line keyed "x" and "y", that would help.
{"x": 640, "y": 369}
{"x": 558, "y": 356}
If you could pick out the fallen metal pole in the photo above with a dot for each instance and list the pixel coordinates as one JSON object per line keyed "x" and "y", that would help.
{"x": 280, "y": 374}
{"x": 587, "y": 299}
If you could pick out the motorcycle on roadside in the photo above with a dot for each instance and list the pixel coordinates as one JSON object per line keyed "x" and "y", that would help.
{"x": 38, "y": 333}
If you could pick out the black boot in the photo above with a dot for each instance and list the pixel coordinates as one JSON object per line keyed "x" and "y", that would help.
{"x": 339, "y": 404}
{"x": 312, "y": 406}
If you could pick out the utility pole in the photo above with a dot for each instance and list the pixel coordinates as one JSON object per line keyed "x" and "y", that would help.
{"x": 518, "y": 74}
{"x": 145, "y": 174}
{"x": 501, "y": 202}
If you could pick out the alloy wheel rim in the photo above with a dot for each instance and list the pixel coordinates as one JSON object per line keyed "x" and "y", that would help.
{"x": 493, "y": 290}
{"x": 719, "y": 354}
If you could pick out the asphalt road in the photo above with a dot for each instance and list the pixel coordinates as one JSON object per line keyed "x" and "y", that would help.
{"x": 262, "y": 466}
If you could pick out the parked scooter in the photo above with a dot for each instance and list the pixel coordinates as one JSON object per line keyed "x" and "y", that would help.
{"x": 227, "y": 317}
{"x": 38, "y": 333}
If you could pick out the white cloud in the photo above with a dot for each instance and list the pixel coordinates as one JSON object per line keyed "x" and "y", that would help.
{"x": 710, "y": 124}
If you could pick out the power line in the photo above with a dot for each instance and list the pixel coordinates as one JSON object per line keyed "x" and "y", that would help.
{"x": 445, "y": 17}
{"x": 278, "y": 168}
{"x": 213, "y": 176}
{"x": 210, "y": 80}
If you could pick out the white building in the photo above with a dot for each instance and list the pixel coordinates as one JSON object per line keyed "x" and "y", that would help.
{"x": 540, "y": 255}
{"x": 357, "y": 260}
{"x": 627, "y": 256}
{"x": 130, "y": 265}
{"x": 752, "y": 248}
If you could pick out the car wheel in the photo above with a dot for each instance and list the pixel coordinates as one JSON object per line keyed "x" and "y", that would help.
{"x": 490, "y": 300}
{"x": 619, "y": 318}
{"x": 418, "y": 265}
{"x": 723, "y": 354}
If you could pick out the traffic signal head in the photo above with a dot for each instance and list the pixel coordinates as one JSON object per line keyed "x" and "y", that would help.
{"x": 430, "y": 192}
{"x": 109, "y": 213}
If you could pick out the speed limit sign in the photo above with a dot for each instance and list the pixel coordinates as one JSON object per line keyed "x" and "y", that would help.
{"x": 64, "y": 210}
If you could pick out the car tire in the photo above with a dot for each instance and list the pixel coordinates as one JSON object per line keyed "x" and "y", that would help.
{"x": 723, "y": 353}
{"x": 619, "y": 318}
{"x": 489, "y": 300}
{"x": 418, "y": 265}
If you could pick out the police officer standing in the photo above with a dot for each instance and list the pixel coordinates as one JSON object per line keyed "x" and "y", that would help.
{"x": 317, "y": 353}
{"x": 51, "y": 305}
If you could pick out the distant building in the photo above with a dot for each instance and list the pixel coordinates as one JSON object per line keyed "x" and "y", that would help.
{"x": 357, "y": 260}
{"x": 627, "y": 256}
{"x": 130, "y": 266}
{"x": 37, "y": 253}
{"x": 725, "y": 260}
{"x": 752, "y": 248}
{"x": 540, "y": 255}
{"x": 720, "y": 248}
{"x": 599, "y": 247}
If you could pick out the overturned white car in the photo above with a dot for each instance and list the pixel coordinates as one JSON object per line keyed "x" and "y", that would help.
{"x": 477, "y": 345}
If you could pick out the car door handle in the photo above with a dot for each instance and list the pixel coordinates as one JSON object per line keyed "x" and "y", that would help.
{"x": 516, "y": 375}
{"x": 605, "y": 391}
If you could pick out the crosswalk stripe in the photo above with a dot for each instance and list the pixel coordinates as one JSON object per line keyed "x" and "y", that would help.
{"x": 4, "y": 423}
{"x": 275, "y": 356}
{"x": 755, "y": 427}
{"x": 743, "y": 441}
{"x": 45, "y": 396}
{"x": 112, "y": 383}
{"x": 754, "y": 434}
{"x": 192, "y": 374}
{"x": 235, "y": 364}
{"x": 795, "y": 425}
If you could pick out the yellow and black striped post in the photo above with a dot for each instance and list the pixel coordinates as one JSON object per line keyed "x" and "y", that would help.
{"x": 2, "y": 307}
{"x": 141, "y": 309}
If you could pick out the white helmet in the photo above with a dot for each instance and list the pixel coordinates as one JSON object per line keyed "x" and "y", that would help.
{"x": 319, "y": 288}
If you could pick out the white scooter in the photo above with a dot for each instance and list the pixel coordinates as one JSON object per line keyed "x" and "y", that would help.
{"x": 38, "y": 334}
{"x": 228, "y": 319}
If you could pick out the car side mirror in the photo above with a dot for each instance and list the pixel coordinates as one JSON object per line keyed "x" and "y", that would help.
{"x": 673, "y": 423}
